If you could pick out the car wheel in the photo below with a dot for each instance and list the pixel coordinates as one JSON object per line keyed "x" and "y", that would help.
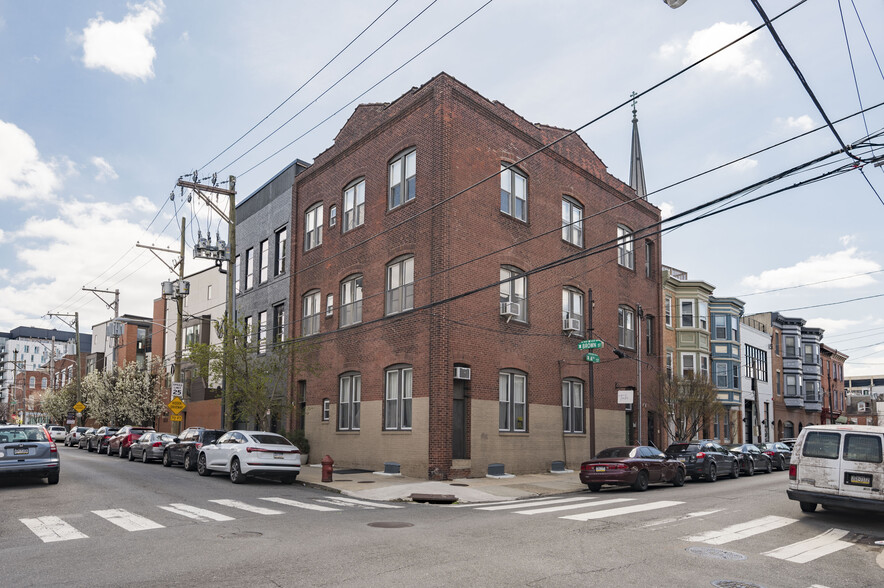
{"x": 52, "y": 478}
{"x": 735, "y": 471}
{"x": 750, "y": 469}
{"x": 288, "y": 480}
{"x": 188, "y": 462}
{"x": 641, "y": 482}
{"x": 144, "y": 456}
{"x": 781, "y": 463}
{"x": 807, "y": 506}
{"x": 713, "y": 473}
{"x": 122, "y": 452}
{"x": 769, "y": 467}
{"x": 236, "y": 475}
{"x": 201, "y": 467}
{"x": 167, "y": 459}
{"x": 594, "y": 487}
{"x": 131, "y": 455}
{"x": 678, "y": 480}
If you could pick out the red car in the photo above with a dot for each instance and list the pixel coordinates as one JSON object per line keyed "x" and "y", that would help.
{"x": 635, "y": 466}
{"x": 124, "y": 438}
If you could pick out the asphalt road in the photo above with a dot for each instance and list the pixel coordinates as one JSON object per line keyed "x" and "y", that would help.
{"x": 110, "y": 522}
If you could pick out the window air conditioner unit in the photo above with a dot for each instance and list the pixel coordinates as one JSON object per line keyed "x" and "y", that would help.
{"x": 461, "y": 373}
{"x": 571, "y": 324}
{"x": 509, "y": 309}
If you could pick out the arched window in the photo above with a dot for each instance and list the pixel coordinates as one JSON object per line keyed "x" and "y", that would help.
{"x": 351, "y": 300}
{"x": 32, "y": 382}
{"x": 310, "y": 311}
{"x": 625, "y": 247}
{"x": 354, "y": 205}
{"x": 402, "y": 178}
{"x": 513, "y": 293}
{"x": 313, "y": 227}
{"x": 572, "y": 310}
{"x": 513, "y": 192}
{"x": 626, "y": 327}
{"x": 572, "y": 221}
{"x": 399, "y": 294}
{"x": 44, "y": 383}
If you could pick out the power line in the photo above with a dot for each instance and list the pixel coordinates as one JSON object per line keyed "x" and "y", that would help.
{"x": 810, "y": 284}
{"x": 832, "y": 303}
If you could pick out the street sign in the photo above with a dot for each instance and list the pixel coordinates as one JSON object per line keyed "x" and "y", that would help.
{"x": 79, "y": 407}
{"x": 177, "y": 389}
{"x": 591, "y": 357}
{"x": 591, "y": 344}
{"x": 176, "y": 417}
{"x": 177, "y": 405}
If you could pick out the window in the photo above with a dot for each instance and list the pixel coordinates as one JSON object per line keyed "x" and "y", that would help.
{"x": 649, "y": 259}
{"x": 791, "y": 346}
{"x": 279, "y": 323}
{"x": 397, "y": 405}
{"x": 329, "y": 304}
{"x": 735, "y": 374}
{"x": 250, "y": 259}
{"x": 720, "y": 375}
{"x": 354, "y": 205}
{"x": 192, "y": 335}
{"x": 325, "y": 409}
{"x": 263, "y": 261}
{"x": 626, "y": 327}
{"x": 779, "y": 384}
{"x": 572, "y": 309}
{"x": 687, "y": 364}
{"x": 262, "y": 331}
{"x": 236, "y": 267}
{"x": 402, "y": 179}
{"x": 687, "y": 313}
{"x": 735, "y": 331}
{"x": 310, "y": 322}
{"x": 820, "y": 444}
{"x": 513, "y": 193}
{"x": 669, "y": 360}
{"x": 513, "y": 288}
{"x": 809, "y": 355}
{"x": 625, "y": 247}
{"x": 704, "y": 367}
{"x": 209, "y": 292}
{"x": 32, "y": 382}
{"x": 248, "y": 326}
{"x": 719, "y": 323}
{"x": 703, "y": 314}
{"x": 667, "y": 311}
{"x": 572, "y": 222}
{"x": 400, "y": 286}
{"x": 512, "y": 402}
{"x": 313, "y": 227}
{"x": 792, "y": 385}
{"x": 756, "y": 363}
{"x": 281, "y": 243}
{"x": 865, "y": 448}
{"x": 332, "y": 215}
{"x": 348, "y": 405}
{"x": 649, "y": 335}
{"x": 572, "y": 406}
{"x": 44, "y": 382}
{"x": 351, "y": 301}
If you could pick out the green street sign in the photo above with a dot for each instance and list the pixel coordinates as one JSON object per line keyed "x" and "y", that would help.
{"x": 591, "y": 357}
{"x": 590, "y": 344}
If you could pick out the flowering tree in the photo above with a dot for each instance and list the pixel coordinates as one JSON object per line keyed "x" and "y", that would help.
{"x": 57, "y": 403}
{"x": 127, "y": 395}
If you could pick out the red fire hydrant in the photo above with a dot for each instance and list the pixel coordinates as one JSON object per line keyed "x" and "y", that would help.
{"x": 327, "y": 463}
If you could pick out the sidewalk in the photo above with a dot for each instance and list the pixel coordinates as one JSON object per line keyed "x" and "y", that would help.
{"x": 378, "y": 486}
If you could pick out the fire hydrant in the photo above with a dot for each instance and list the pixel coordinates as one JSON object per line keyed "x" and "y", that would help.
{"x": 327, "y": 463}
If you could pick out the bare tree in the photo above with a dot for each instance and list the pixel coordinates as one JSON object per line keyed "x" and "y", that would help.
{"x": 687, "y": 403}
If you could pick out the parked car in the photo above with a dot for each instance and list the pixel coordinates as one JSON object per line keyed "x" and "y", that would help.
{"x": 243, "y": 454}
{"x": 185, "y": 448}
{"x": 790, "y": 442}
{"x": 120, "y": 442}
{"x": 85, "y": 436}
{"x": 98, "y": 440}
{"x": 73, "y": 436}
{"x": 779, "y": 453}
{"x": 28, "y": 450}
{"x": 149, "y": 446}
{"x": 635, "y": 466}
{"x": 751, "y": 459}
{"x": 838, "y": 465}
{"x": 57, "y": 432}
{"x": 705, "y": 459}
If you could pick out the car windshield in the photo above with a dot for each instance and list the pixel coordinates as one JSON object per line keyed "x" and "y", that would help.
{"x": 682, "y": 448}
{"x": 22, "y": 434}
{"x": 271, "y": 439}
{"x": 735, "y": 448}
{"x": 211, "y": 436}
{"x": 615, "y": 452}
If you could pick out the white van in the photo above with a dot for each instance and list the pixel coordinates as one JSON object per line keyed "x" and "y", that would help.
{"x": 838, "y": 465}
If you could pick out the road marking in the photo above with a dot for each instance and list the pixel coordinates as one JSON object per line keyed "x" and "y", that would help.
{"x": 51, "y": 529}
{"x": 690, "y": 515}
{"x": 362, "y": 502}
{"x": 572, "y": 506}
{"x": 199, "y": 514}
{"x": 524, "y": 503}
{"x": 127, "y": 520}
{"x": 297, "y": 504}
{"x": 510, "y": 501}
{"x": 810, "y": 549}
{"x": 741, "y": 531}
{"x": 247, "y": 507}
{"x": 613, "y": 512}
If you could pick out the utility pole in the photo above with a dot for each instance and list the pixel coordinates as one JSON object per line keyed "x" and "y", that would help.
{"x": 638, "y": 345}
{"x": 116, "y": 306}
{"x": 77, "y": 375}
{"x": 591, "y": 385}
{"x": 15, "y": 376}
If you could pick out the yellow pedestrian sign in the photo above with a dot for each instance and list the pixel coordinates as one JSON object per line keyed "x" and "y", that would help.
{"x": 176, "y": 417}
{"x": 177, "y": 405}
{"x": 79, "y": 407}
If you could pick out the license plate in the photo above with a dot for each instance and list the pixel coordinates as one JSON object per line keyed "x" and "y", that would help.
{"x": 23, "y": 451}
{"x": 600, "y": 468}
{"x": 858, "y": 479}
{"x": 681, "y": 459}
{"x": 278, "y": 456}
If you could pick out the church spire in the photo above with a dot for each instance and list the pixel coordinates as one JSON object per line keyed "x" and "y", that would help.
{"x": 636, "y": 165}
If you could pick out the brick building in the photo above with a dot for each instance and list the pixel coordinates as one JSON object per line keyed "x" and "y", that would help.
{"x": 418, "y": 252}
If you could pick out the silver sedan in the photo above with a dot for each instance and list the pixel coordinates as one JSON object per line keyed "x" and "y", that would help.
{"x": 150, "y": 446}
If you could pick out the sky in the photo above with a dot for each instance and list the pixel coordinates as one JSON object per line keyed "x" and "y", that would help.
{"x": 104, "y": 105}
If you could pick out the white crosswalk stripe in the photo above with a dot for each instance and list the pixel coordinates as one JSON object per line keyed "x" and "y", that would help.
{"x": 238, "y": 504}
{"x": 741, "y": 531}
{"x": 519, "y": 504}
{"x": 811, "y": 549}
{"x": 344, "y": 500}
{"x": 51, "y": 529}
{"x": 614, "y": 512}
{"x": 127, "y": 520}
{"x": 572, "y": 506}
{"x": 198, "y": 514}
{"x": 298, "y": 504}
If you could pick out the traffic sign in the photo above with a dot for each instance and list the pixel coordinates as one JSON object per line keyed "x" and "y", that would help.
{"x": 177, "y": 405}
{"x": 177, "y": 389}
{"x": 79, "y": 407}
{"x": 591, "y": 344}
{"x": 176, "y": 417}
{"x": 591, "y": 357}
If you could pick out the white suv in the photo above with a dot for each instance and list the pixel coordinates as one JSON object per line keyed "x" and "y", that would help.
{"x": 57, "y": 432}
{"x": 838, "y": 465}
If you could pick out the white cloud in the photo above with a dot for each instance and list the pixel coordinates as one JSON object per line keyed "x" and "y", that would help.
{"x": 143, "y": 204}
{"x": 24, "y": 175}
{"x": 847, "y": 239}
{"x": 736, "y": 60}
{"x": 667, "y": 209}
{"x": 105, "y": 170}
{"x": 745, "y": 165}
{"x": 801, "y": 124}
{"x": 124, "y": 47}
{"x": 817, "y": 269}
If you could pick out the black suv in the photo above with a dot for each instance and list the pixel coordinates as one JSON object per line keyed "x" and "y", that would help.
{"x": 705, "y": 459}
{"x": 186, "y": 447}
{"x": 98, "y": 441}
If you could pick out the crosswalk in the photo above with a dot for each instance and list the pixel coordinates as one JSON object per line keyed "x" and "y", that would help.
{"x": 51, "y": 529}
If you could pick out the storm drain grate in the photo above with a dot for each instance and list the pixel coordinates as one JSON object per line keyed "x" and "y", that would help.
{"x": 390, "y": 525}
{"x": 717, "y": 554}
{"x": 734, "y": 584}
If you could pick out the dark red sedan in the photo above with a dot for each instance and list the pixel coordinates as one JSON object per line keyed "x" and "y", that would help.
{"x": 636, "y": 466}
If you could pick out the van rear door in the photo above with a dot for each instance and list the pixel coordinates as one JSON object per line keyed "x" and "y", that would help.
{"x": 862, "y": 466}
{"x": 818, "y": 466}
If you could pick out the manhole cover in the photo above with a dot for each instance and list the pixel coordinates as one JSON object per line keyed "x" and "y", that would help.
{"x": 464, "y": 485}
{"x": 718, "y": 554}
{"x": 390, "y": 525}
{"x": 365, "y": 482}
{"x": 734, "y": 584}
{"x": 241, "y": 535}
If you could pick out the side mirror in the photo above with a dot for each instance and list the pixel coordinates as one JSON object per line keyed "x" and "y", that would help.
{"x": 176, "y": 440}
